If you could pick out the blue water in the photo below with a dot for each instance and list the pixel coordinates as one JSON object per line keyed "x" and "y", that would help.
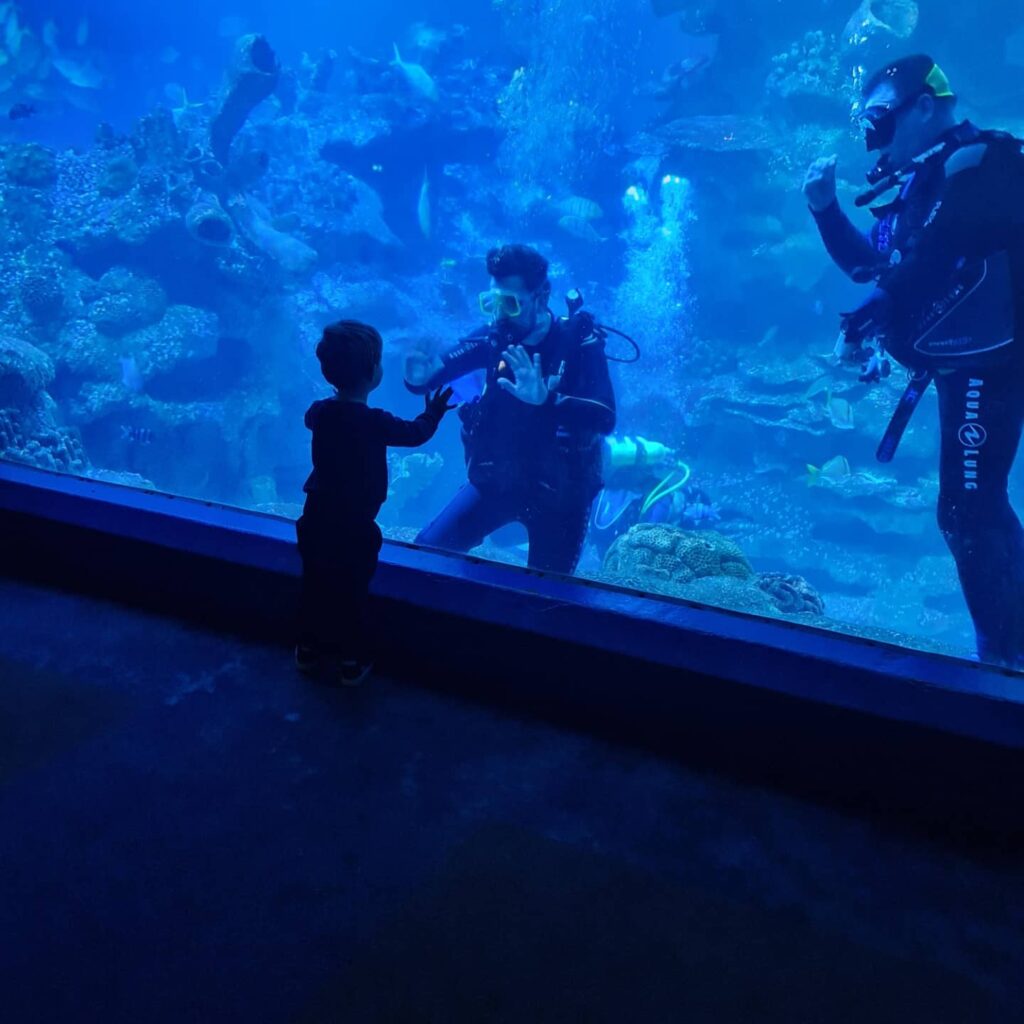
{"x": 160, "y": 359}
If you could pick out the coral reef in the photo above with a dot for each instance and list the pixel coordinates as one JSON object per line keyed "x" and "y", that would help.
{"x": 207, "y": 222}
{"x": 653, "y": 552}
{"x": 42, "y": 296}
{"x": 252, "y": 78}
{"x": 706, "y": 568}
{"x": 119, "y": 175}
{"x": 30, "y": 165}
{"x": 126, "y": 302}
{"x": 35, "y": 440}
{"x": 791, "y": 594}
{"x": 25, "y": 371}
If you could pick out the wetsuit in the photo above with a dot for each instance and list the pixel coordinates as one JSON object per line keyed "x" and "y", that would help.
{"x": 960, "y": 219}
{"x": 536, "y": 465}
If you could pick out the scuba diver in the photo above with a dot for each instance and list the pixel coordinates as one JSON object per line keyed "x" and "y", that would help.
{"x": 646, "y": 482}
{"x": 946, "y": 255}
{"x": 533, "y": 438}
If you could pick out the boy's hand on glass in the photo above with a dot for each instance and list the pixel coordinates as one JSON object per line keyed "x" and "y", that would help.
{"x": 440, "y": 402}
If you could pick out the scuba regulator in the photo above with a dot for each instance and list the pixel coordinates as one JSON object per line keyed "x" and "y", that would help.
{"x": 588, "y": 325}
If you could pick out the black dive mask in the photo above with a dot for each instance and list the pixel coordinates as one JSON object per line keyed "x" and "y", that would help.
{"x": 880, "y": 123}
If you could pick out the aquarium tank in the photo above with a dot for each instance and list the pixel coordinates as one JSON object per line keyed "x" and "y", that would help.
{"x": 615, "y": 188}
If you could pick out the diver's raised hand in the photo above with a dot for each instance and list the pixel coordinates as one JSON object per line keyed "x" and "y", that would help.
{"x": 439, "y": 402}
{"x": 530, "y": 385}
{"x": 820, "y": 183}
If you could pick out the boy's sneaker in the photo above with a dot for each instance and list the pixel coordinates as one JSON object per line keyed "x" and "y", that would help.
{"x": 354, "y": 672}
{"x": 308, "y": 659}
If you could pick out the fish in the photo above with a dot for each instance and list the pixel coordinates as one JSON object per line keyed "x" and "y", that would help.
{"x": 20, "y": 111}
{"x": 577, "y": 206}
{"x": 580, "y": 228}
{"x": 82, "y": 32}
{"x": 820, "y": 386}
{"x": 417, "y": 77}
{"x": 137, "y": 435}
{"x": 833, "y": 471}
{"x": 423, "y": 206}
{"x": 697, "y": 53}
{"x": 169, "y": 55}
{"x": 131, "y": 378}
{"x": 83, "y": 75}
{"x": 699, "y": 512}
{"x": 840, "y": 411}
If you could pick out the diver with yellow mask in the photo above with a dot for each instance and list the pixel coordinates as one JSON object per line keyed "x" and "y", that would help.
{"x": 533, "y": 437}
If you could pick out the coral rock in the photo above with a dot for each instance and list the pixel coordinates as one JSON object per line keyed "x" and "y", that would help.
{"x": 42, "y": 296}
{"x": 183, "y": 335}
{"x": 791, "y": 594}
{"x": 127, "y": 302}
{"x": 31, "y": 165}
{"x": 24, "y": 372}
{"x": 652, "y": 552}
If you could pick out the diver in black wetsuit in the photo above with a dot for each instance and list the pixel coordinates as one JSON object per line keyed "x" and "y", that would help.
{"x": 947, "y": 259}
{"x": 533, "y": 438}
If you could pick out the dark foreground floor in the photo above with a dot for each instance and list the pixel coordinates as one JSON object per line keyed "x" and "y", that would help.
{"x": 190, "y": 833}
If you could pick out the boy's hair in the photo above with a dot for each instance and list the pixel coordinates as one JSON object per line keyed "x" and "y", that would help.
{"x": 518, "y": 261}
{"x": 349, "y": 352}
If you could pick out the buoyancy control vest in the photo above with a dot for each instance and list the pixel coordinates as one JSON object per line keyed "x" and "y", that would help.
{"x": 965, "y": 315}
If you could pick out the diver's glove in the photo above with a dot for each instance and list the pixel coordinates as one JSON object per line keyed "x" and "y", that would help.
{"x": 876, "y": 368}
{"x": 860, "y": 325}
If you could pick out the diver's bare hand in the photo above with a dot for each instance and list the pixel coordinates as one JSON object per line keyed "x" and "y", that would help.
{"x": 820, "y": 184}
{"x": 440, "y": 402}
{"x": 530, "y": 385}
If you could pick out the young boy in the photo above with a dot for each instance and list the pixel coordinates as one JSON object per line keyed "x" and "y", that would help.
{"x": 338, "y": 539}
